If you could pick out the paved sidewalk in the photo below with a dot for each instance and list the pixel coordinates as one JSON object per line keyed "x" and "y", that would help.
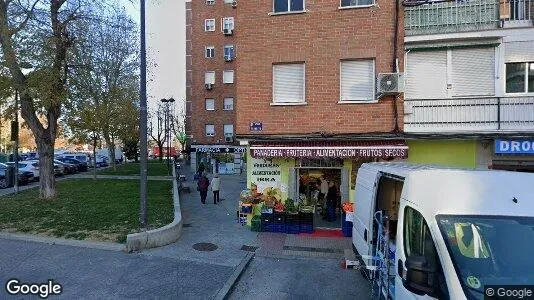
{"x": 211, "y": 223}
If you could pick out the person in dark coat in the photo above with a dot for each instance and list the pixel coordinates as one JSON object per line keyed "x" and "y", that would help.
{"x": 331, "y": 198}
{"x": 203, "y": 185}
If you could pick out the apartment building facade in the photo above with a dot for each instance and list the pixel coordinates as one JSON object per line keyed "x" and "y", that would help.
{"x": 211, "y": 85}
{"x": 317, "y": 91}
{"x": 469, "y": 98}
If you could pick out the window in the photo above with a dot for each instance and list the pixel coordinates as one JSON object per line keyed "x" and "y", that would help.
{"x": 210, "y": 52}
{"x": 229, "y": 1}
{"x": 210, "y": 2}
{"x": 227, "y": 23}
{"x": 358, "y": 80}
{"x": 209, "y": 25}
{"x": 520, "y": 77}
{"x": 281, "y": 6}
{"x": 209, "y": 77}
{"x": 229, "y": 130}
{"x": 229, "y": 52}
{"x": 228, "y": 76}
{"x": 288, "y": 83}
{"x": 349, "y": 3}
{"x": 210, "y": 130}
{"x": 228, "y": 103}
{"x": 210, "y": 104}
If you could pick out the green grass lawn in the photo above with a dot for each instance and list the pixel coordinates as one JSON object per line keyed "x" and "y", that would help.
{"x": 103, "y": 210}
{"x": 155, "y": 168}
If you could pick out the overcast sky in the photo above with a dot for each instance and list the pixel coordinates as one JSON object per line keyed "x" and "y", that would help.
{"x": 166, "y": 49}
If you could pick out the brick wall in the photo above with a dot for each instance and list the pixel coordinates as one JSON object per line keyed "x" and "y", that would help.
{"x": 199, "y": 65}
{"x": 321, "y": 37}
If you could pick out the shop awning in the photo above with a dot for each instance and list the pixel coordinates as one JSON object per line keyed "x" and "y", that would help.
{"x": 330, "y": 149}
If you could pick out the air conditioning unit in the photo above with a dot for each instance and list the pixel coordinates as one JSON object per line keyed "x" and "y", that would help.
{"x": 390, "y": 84}
{"x": 209, "y": 86}
{"x": 228, "y": 58}
{"x": 234, "y": 4}
{"x": 229, "y": 139}
{"x": 228, "y": 31}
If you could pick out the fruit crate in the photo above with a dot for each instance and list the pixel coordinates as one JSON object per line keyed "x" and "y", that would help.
{"x": 347, "y": 231}
{"x": 281, "y": 228}
{"x": 293, "y": 228}
{"x": 279, "y": 218}
{"x": 256, "y": 224}
{"x": 267, "y": 227}
{"x": 306, "y": 218}
{"x": 292, "y": 219}
{"x": 303, "y": 228}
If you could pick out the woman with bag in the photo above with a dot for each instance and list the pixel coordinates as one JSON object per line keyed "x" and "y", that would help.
{"x": 202, "y": 187}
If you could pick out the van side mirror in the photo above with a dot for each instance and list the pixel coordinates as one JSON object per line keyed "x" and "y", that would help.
{"x": 420, "y": 277}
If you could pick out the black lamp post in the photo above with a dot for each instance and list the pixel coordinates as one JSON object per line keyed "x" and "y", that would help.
{"x": 167, "y": 129}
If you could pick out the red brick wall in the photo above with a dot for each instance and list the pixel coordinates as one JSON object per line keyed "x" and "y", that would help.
{"x": 321, "y": 38}
{"x": 199, "y": 65}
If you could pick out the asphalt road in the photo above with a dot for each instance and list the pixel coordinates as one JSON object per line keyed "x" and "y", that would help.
{"x": 100, "y": 274}
{"x": 302, "y": 278}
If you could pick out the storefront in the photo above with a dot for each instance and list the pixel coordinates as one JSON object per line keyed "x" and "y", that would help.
{"x": 217, "y": 159}
{"x": 514, "y": 155}
{"x": 315, "y": 174}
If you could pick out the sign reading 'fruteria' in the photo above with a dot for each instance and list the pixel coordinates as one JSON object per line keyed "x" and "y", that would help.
{"x": 397, "y": 152}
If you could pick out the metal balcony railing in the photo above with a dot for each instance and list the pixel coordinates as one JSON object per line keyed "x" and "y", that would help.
{"x": 469, "y": 115}
{"x": 462, "y": 15}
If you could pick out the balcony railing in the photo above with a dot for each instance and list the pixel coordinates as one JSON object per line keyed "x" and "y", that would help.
{"x": 469, "y": 115}
{"x": 472, "y": 15}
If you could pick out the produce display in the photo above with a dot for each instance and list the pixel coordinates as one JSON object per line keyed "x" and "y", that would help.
{"x": 348, "y": 207}
{"x": 290, "y": 206}
{"x": 279, "y": 207}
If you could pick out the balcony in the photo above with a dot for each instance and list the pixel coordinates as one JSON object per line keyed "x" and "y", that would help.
{"x": 469, "y": 115}
{"x": 461, "y": 16}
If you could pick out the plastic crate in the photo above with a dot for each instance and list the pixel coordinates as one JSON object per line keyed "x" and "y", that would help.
{"x": 306, "y": 228}
{"x": 292, "y": 219}
{"x": 246, "y": 209}
{"x": 256, "y": 227}
{"x": 267, "y": 227}
{"x": 347, "y": 231}
{"x": 279, "y": 218}
{"x": 306, "y": 218}
{"x": 281, "y": 228}
{"x": 293, "y": 229}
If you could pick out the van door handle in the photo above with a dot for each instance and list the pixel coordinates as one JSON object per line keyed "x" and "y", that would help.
{"x": 365, "y": 235}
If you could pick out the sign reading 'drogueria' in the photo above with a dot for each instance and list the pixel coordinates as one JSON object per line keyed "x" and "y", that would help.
{"x": 514, "y": 146}
{"x": 341, "y": 152}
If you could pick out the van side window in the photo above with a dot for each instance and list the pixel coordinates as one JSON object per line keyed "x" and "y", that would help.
{"x": 418, "y": 242}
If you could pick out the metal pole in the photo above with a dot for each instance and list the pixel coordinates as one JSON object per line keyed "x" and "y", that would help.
{"x": 169, "y": 138}
{"x": 16, "y": 154}
{"x": 142, "y": 127}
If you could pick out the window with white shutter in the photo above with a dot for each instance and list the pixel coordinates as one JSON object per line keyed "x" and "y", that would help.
{"x": 358, "y": 80}
{"x": 473, "y": 71}
{"x": 228, "y": 103}
{"x": 289, "y": 83}
{"x": 210, "y": 104}
{"x": 426, "y": 75}
{"x": 209, "y": 77}
{"x": 228, "y": 130}
{"x": 210, "y": 130}
{"x": 228, "y": 76}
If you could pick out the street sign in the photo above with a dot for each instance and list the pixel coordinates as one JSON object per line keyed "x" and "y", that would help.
{"x": 256, "y": 126}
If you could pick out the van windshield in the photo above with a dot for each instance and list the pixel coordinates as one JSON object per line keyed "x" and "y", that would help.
{"x": 489, "y": 250}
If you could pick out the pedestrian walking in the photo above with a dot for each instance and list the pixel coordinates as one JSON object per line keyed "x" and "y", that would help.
{"x": 202, "y": 187}
{"x": 215, "y": 187}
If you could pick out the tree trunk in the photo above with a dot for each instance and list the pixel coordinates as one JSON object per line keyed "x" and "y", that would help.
{"x": 160, "y": 147}
{"x": 95, "y": 140}
{"x": 47, "y": 180}
{"x": 111, "y": 149}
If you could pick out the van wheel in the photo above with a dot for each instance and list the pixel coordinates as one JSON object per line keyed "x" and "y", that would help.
{"x": 3, "y": 183}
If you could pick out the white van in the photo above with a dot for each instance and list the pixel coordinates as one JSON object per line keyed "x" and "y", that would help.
{"x": 426, "y": 232}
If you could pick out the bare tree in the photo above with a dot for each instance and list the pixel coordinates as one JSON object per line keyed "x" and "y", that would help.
{"x": 157, "y": 128}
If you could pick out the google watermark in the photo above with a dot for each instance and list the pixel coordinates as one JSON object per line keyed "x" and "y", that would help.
{"x": 15, "y": 287}
{"x": 509, "y": 292}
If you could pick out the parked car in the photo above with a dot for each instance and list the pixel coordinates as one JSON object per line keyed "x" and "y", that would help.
{"x": 59, "y": 170}
{"x": 24, "y": 177}
{"x": 69, "y": 168}
{"x": 82, "y": 157}
{"x": 28, "y": 166}
{"x": 4, "y": 182}
{"x": 82, "y": 166}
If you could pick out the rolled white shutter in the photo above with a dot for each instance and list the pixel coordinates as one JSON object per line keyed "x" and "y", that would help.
{"x": 228, "y": 76}
{"x": 357, "y": 80}
{"x": 288, "y": 83}
{"x": 209, "y": 77}
{"x": 426, "y": 75}
{"x": 519, "y": 51}
{"x": 473, "y": 72}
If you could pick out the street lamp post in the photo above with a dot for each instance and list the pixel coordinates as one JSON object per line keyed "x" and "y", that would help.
{"x": 143, "y": 216}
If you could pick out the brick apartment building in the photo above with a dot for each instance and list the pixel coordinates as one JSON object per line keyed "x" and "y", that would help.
{"x": 211, "y": 88}
{"x": 308, "y": 105}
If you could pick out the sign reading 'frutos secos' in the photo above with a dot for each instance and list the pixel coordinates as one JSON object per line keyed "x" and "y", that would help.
{"x": 514, "y": 146}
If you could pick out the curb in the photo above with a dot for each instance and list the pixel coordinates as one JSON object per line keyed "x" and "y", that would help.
{"x": 162, "y": 236}
{"x": 224, "y": 292}
{"x": 63, "y": 242}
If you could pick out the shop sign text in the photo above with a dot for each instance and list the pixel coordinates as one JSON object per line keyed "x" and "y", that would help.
{"x": 514, "y": 147}
{"x": 265, "y": 173}
{"x": 325, "y": 152}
